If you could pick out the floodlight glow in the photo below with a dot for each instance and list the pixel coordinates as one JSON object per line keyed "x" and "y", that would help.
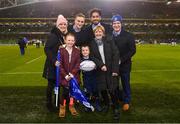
{"x": 169, "y": 2}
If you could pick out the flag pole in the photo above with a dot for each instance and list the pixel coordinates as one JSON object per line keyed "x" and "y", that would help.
{"x": 56, "y": 89}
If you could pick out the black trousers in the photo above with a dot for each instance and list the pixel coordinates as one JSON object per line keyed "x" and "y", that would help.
{"x": 50, "y": 100}
{"x": 65, "y": 95}
{"x": 114, "y": 97}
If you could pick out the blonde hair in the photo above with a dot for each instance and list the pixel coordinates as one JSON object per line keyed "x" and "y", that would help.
{"x": 80, "y": 15}
{"x": 99, "y": 27}
{"x": 69, "y": 34}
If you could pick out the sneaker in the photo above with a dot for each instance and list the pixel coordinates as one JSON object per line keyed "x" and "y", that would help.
{"x": 116, "y": 114}
{"x": 98, "y": 107}
{"x": 105, "y": 109}
{"x": 126, "y": 107}
{"x": 87, "y": 109}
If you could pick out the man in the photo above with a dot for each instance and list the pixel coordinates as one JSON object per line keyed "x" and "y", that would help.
{"x": 95, "y": 17}
{"x": 126, "y": 45}
{"x": 22, "y": 45}
{"x": 78, "y": 29}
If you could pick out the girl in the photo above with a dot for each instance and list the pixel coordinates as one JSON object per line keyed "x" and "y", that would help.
{"x": 69, "y": 65}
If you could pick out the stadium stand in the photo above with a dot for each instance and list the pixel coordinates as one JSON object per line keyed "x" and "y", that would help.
{"x": 129, "y": 9}
{"x": 150, "y": 22}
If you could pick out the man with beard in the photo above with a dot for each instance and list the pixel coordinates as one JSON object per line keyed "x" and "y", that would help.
{"x": 95, "y": 17}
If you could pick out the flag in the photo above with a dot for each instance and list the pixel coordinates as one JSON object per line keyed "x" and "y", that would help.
{"x": 56, "y": 89}
{"x": 78, "y": 94}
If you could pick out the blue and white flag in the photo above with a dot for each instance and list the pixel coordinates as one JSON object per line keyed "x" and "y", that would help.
{"x": 78, "y": 94}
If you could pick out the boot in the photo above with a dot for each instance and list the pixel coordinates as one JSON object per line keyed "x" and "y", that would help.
{"x": 73, "y": 110}
{"x": 62, "y": 111}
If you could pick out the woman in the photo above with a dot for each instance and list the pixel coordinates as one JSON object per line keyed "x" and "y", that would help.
{"x": 55, "y": 39}
{"x": 106, "y": 58}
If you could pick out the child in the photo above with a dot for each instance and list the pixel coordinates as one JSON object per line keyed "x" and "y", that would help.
{"x": 106, "y": 57}
{"x": 69, "y": 65}
{"x": 89, "y": 76}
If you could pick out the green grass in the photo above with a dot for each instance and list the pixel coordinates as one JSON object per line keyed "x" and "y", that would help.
{"x": 155, "y": 84}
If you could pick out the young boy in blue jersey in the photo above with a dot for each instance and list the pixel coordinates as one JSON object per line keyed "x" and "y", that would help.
{"x": 89, "y": 77}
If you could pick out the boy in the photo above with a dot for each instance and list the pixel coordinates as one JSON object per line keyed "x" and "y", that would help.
{"x": 89, "y": 77}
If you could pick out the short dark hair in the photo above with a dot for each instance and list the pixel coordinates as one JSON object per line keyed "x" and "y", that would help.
{"x": 95, "y": 10}
{"x": 80, "y": 15}
{"x": 84, "y": 45}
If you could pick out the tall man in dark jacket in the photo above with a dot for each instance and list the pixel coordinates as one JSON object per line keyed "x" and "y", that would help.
{"x": 95, "y": 17}
{"x": 126, "y": 44}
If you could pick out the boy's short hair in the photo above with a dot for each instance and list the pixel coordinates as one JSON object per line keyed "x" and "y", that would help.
{"x": 85, "y": 45}
{"x": 80, "y": 15}
{"x": 95, "y": 10}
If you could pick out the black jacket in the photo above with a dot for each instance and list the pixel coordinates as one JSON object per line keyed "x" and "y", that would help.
{"x": 80, "y": 36}
{"x": 55, "y": 39}
{"x": 90, "y": 34}
{"x": 127, "y": 48}
{"x": 104, "y": 79}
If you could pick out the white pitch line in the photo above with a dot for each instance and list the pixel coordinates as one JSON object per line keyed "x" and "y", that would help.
{"x": 33, "y": 60}
{"x": 16, "y": 73}
{"x": 157, "y": 70}
{"x": 167, "y": 70}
